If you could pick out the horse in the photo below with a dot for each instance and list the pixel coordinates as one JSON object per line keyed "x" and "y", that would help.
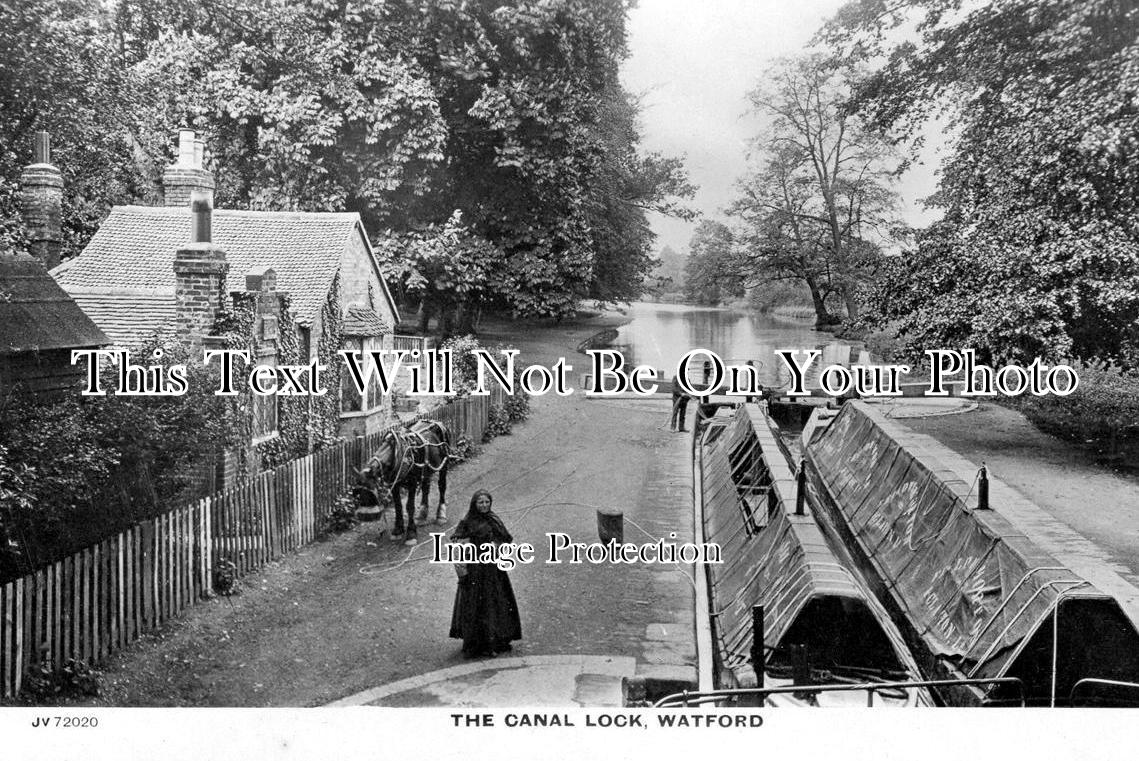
{"x": 406, "y": 460}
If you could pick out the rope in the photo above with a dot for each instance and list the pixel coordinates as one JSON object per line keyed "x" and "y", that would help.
{"x": 378, "y": 569}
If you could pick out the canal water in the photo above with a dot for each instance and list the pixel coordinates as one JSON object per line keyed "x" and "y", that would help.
{"x": 660, "y": 334}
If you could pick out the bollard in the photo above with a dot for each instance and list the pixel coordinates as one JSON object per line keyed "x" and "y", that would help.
{"x": 983, "y": 488}
{"x": 801, "y": 667}
{"x": 801, "y": 488}
{"x": 757, "y": 634}
{"x": 610, "y": 526}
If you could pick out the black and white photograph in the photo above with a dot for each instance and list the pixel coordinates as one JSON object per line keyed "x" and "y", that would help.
{"x": 480, "y": 377}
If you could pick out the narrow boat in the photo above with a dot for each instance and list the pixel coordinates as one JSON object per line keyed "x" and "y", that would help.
{"x": 820, "y": 625}
{"x": 961, "y": 568}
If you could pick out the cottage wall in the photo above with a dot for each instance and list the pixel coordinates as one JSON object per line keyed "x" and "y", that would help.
{"x": 360, "y": 286}
{"x": 360, "y": 282}
{"x": 45, "y": 376}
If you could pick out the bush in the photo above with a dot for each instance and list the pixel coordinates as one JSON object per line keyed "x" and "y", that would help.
{"x": 81, "y": 469}
{"x": 462, "y": 451}
{"x": 464, "y": 363}
{"x": 882, "y": 343}
{"x": 517, "y": 407}
{"x": 1103, "y": 413}
{"x": 342, "y": 516}
{"x": 226, "y": 582}
{"x": 76, "y": 678}
{"x": 497, "y": 424}
{"x": 780, "y": 293}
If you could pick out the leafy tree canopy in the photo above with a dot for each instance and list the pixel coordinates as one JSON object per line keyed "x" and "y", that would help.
{"x": 710, "y": 274}
{"x": 1039, "y": 248}
{"x": 404, "y": 110}
{"x": 821, "y": 201}
{"x": 59, "y": 72}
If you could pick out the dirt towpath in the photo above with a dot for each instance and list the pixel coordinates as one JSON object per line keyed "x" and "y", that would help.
{"x": 356, "y": 611}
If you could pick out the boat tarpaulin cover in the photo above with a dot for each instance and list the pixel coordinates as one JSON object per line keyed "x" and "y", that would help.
{"x": 782, "y": 565}
{"x": 974, "y": 588}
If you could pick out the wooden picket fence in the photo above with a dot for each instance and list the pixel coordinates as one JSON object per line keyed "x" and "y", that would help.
{"x": 100, "y": 599}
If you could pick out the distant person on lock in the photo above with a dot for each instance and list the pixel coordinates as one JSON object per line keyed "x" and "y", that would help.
{"x": 705, "y": 408}
{"x": 749, "y": 399}
{"x": 679, "y": 407}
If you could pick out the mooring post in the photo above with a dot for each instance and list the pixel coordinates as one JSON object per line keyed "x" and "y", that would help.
{"x": 610, "y": 526}
{"x": 801, "y": 488}
{"x": 757, "y": 656}
{"x": 983, "y": 488}
{"x": 800, "y": 669}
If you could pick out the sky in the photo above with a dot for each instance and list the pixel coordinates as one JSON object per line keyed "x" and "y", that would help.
{"x": 693, "y": 62}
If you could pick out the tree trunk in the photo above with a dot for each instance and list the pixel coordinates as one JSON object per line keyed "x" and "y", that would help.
{"x": 446, "y": 322}
{"x": 466, "y": 318}
{"x": 426, "y": 310}
{"x": 850, "y": 301}
{"x": 822, "y": 317}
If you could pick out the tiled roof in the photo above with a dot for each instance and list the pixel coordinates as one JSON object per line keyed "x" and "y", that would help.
{"x": 129, "y": 318}
{"x": 36, "y": 314}
{"x": 134, "y": 251}
{"x": 362, "y": 321}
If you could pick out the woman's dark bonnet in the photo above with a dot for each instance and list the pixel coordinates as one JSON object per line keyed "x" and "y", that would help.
{"x": 475, "y": 498}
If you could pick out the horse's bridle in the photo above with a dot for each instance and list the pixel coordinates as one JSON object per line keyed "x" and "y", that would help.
{"x": 404, "y": 449}
{"x": 401, "y": 454}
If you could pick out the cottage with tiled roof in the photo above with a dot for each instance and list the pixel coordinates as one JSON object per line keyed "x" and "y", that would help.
{"x": 134, "y": 275}
{"x": 40, "y": 325}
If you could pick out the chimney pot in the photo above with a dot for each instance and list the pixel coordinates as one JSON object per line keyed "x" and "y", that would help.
{"x": 261, "y": 279}
{"x": 41, "y": 151}
{"x": 41, "y": 202}
{"x": 201, "y": 213}
{"x": 186, "y": 148}
{"x": 186, "y": 175}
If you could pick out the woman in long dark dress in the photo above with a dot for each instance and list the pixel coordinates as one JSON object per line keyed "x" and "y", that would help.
{"x": 486, "y": 614}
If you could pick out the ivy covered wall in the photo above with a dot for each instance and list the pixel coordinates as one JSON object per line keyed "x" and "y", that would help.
{"x": 304, "y": 423}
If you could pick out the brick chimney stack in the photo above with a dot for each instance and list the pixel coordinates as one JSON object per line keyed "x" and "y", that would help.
{"x": 199, "y": 275}
{"x": 187, "y": 174}
{"x": 41, "y": 201}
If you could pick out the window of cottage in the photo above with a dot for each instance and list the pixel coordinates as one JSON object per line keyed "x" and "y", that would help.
{"x": 375, "y": 398}
{"x": 350, "y": 399}
{"x": 304, "y": 344}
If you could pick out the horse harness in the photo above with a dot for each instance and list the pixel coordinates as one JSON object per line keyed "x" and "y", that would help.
{"x": 406, "y": 443}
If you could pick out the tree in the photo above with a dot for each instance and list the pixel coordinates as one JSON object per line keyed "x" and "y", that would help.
{"x": 403, "y": 110}
{"x": 407, "y": 111}
{"x": 710, "y": 275}
{"x": 304, "y": 105}
{"x": 629, "y": 184}
{"x": 781, "y": 241}
{"x": 1040, "y": 187}
{"x": 450, "y": 268}
{"x": 824, "y": 192}
{"x": 669, "y": 274}
{"x": 59, "y": 72}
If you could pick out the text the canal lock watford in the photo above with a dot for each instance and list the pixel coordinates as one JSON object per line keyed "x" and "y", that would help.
{"x": 626, "y": 719}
